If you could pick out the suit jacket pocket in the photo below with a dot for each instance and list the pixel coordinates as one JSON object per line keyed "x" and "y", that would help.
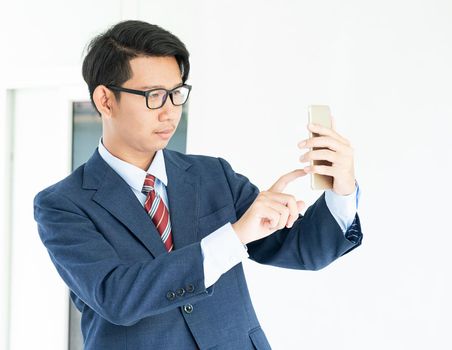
{"x": 210, "y": 222}
{"x": 259, "y": 339}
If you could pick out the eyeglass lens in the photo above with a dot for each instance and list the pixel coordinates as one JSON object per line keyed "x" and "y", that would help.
{"x": 155, "y": 98}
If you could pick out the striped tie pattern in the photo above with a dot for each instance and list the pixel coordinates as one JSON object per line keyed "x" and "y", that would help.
{"x": 158, "y": 211}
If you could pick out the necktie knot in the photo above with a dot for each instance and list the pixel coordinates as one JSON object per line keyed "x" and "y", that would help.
{"x": 148, "y": 185}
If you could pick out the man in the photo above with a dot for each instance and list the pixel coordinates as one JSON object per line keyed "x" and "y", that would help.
{"x": 150, "y": 241}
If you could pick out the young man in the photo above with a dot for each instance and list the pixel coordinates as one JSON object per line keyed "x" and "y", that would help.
{"x": 150, "y": 241}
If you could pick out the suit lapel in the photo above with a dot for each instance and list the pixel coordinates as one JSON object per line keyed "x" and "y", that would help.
{"x": 183, "y": 199}
{"x": 115, "y": 195}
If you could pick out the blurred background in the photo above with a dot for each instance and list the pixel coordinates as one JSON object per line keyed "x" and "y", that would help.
{"x": 384, "y": 67}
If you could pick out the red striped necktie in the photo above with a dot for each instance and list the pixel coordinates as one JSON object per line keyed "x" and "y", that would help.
{"x": 158, "y": 211}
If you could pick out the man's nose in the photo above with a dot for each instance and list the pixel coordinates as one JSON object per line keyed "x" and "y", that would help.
{"x": 167, "y": 109}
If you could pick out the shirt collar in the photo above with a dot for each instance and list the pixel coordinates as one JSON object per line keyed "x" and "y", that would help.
{"x": 131, "y": 174}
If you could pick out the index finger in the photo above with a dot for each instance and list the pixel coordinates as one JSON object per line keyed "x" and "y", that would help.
{"x": 322, "y": 130}
{"x": 282, "y": 182}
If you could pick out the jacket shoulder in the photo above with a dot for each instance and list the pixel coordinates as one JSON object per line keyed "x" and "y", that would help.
{"x": 71, "y": 182}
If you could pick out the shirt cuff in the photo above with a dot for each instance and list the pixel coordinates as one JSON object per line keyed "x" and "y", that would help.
{"x": 343, "y": 208}
{"x": 221, "y": 250}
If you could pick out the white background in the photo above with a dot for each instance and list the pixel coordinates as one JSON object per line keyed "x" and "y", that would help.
{"x": 384, "y": 67}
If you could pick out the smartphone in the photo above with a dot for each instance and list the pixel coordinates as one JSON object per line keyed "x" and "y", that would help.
{"x": 320, "y": 114}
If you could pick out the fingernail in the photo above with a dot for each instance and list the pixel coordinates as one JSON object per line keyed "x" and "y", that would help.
{"x": 301, "y": 144}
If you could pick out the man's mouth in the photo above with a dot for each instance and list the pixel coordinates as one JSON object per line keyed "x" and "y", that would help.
{"x": 165, "y": 131}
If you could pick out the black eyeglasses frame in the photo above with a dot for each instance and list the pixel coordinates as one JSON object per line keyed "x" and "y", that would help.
{"x": 146, "y": 93}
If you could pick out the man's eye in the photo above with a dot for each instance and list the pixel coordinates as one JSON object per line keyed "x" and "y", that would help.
{"x": 157, "y": 94}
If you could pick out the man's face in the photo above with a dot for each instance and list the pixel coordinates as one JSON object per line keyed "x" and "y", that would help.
{"x": 132, "y": 125}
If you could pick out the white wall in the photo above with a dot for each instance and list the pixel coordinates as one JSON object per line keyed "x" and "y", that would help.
{"x": 384, "y": 68}
{"x": 5, "y": 217}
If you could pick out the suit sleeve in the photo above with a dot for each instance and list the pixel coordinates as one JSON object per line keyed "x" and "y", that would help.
{"x": 313, "y": 242}
{"x": 122, "y": 293}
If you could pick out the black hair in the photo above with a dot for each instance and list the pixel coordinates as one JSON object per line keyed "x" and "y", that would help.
{"x": 109, "y": 53}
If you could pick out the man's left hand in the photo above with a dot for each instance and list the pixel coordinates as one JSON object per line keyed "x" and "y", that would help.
{"x": 340, "y": 153}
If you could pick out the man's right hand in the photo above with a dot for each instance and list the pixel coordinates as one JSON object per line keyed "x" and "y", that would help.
{"x": 270, "y": 211}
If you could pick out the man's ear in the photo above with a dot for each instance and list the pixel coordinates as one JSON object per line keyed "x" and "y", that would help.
{"x": 103, "y": 99}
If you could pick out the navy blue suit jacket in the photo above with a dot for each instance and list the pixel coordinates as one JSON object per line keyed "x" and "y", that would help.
{"x": 132, "y": 293}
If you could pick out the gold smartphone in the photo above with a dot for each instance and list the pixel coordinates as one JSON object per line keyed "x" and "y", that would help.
{"x": 320, "y": 114}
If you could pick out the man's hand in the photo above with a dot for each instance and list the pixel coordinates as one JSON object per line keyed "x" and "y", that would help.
{"x": 270, "y": 211}
{"x": 340, "y": 154}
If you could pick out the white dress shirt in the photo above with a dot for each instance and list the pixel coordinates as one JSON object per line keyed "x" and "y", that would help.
{"x": 222, "y": 249}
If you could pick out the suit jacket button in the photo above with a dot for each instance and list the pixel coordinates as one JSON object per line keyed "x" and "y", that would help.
{"x": 188, "y": 308}
{"x": 190, "y": 288}
{"x": 170, "y": 295}
{"x": 180, "y": 292}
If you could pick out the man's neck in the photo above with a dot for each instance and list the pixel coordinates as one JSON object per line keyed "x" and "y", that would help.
{"x": 139, "y": 159}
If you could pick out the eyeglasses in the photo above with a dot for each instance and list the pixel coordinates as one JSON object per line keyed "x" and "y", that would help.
{"x": 156, "y": 98}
